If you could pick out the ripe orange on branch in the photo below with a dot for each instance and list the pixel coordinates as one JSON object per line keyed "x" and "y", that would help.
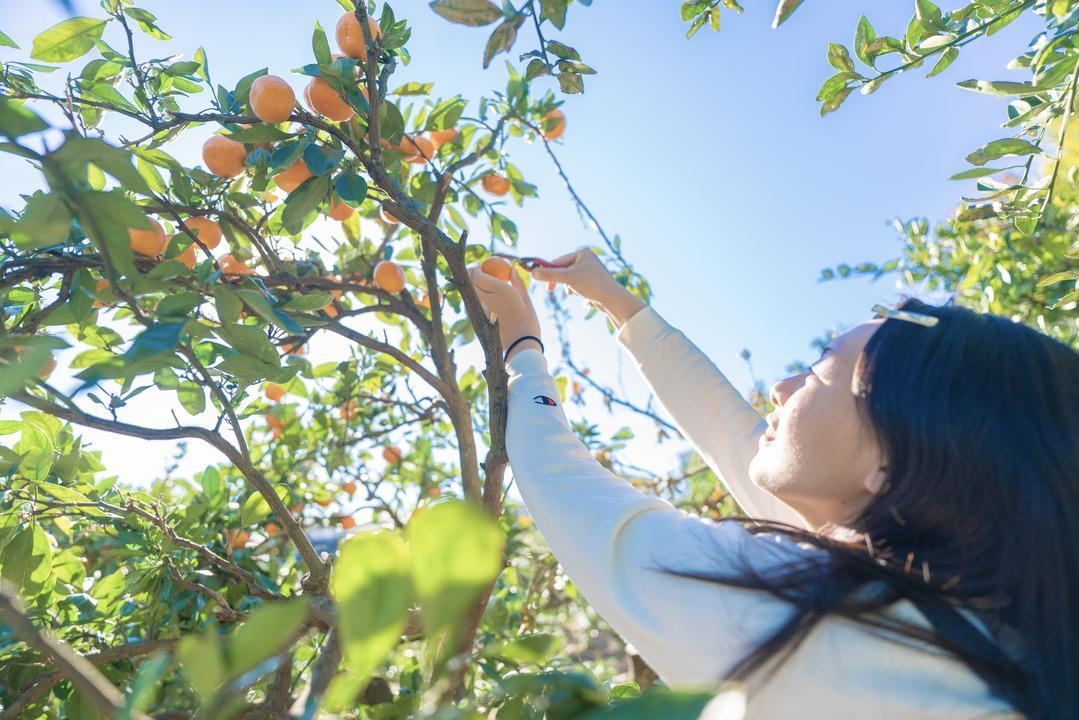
{"x": 348, "y": 522}
{"x": 495, "y": 184}
{"x": 555, "y": 130}
{"x": 349, "y": 410}
{"x": 150, "y": 242}
{"x": 293, "y": 176}
{"x": 187, "y": 257}
{"x": 224, "y": 157}
{"x": 441, "y": 137}
{"x": 350, "y": 35}
{"x": 339, "y": 211}
{"x": 391, "y": 454}
{"x": 207, "y": 231}
{"x": 274, "y": 392}
{"x": 348, "y": 487}
{"x": 417, "y": 147}
{"x": 389, "y": 276}
{"x": 324, "y": 100}
{"x": 230, "y": 265}
{"x": 498, "y": 268}
{"x": 272, "y": 100}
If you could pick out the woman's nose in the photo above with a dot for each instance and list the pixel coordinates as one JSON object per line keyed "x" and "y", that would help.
{"x": 782, "y": 390}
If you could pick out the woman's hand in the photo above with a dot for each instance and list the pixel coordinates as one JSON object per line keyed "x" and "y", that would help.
{"x": 583, "y": 274}
{"x": 510, "y": 304}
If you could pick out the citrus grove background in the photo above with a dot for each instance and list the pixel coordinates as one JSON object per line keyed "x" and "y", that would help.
{"x": 708, "y": 158}
{"x": 199, "y": 578}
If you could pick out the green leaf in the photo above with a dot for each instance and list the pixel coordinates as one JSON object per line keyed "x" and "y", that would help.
{"x": 555, "y": 11}
{"x": 662, "y": 703}
{"x": 1000, "y": 88}
{"x": 571, "y": 83}
{"x": 67, "y": 40}
{"x": 202, "y": 662}
{"x": 351, "y": 188}
{"x": 863, "y": 35}
{"x": 27, "y": 561}
{"x": 320, "y": 45}
{"x": 928, "y": 15}
{"x": 255, "y": 510}
{"x": 192, "y": 397}
{"x": 45, "y": 221}
{"x": 309, "y": 302}
{"x": 783, "y": 11}
{"x": 413, "y": 88}
{"x": 78, "y": 150}
{"x": 999, "y": 148}
{"x": 321, "y": 159}
{"x": 250, "y": 340}
{"x": 536, "y": 649}
{"x": 6, "y": 41}
{"x": 536, "y": 68}
{"x": 446, "y": 114}
{"x": 502, "y": 38}
{"x": 265, "y": 633}
{"x": 372, "y": 589}
{"x": 946, "y": 58}
{"x": 468, "y": 12}
{"x": 155, "y": 340}
{"x": 64, "y": 494}
{"x": 456, "y": 550}
{"x": 303, "y": 201}
{"x": 839, "y": 58}
{"x": 261, "y": 133}
{"x": 36, "y": 447}
{"x": 563, "y": 52}
{"x": 975, "y": 173}
{"x": 16, "y": 120}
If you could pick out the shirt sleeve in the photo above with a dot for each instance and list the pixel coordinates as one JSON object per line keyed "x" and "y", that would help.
{"x": 705, "y": 407}
{"x": 612, "y": 539}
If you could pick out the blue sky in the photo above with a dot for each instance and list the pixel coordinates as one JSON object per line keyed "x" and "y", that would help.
{"x": 707, "y": 156}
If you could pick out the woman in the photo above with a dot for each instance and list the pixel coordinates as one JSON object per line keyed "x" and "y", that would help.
{"x": 914, "y": 544}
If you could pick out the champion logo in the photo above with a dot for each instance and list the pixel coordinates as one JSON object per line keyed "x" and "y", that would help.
{"x": 544, "y": 400}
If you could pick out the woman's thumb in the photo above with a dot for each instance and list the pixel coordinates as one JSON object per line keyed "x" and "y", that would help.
{"x": 550, "y": 273}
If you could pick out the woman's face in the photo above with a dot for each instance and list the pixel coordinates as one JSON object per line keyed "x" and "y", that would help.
{"x": 823, "y": 460}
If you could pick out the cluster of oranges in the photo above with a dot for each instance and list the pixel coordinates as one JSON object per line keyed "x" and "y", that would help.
{"x": 154, "y": 241}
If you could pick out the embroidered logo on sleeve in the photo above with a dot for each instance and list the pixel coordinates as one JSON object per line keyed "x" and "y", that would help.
{"x": 544, "y": 400}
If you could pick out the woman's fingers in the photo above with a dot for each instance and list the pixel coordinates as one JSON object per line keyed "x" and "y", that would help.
{"x": 518, "y": 284}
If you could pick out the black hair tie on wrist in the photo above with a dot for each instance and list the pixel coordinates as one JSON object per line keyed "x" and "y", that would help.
{"x": 514, "y": 344}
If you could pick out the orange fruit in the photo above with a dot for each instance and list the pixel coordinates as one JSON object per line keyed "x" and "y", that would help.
{"x": 323, "y": 501}
{"x": 330, "y": 310}
{"x": 350, "y": 35}
{"x": 47, "y": 369}
{"x": 424, "y": 302}
{"x": 293, "y": 176}
{"x": 387, "y": 218}
{"x": 391, "y": 454}
{"x": 349, "y": 410}
{"x": 324, "y": 100}
{"x": 272, "y": 100}
{"x": 434, "y": 492}
{"x": 294, "y": 347}
{"x": 339, "y": 211}
{"x": 150, "y": 243}
{"x": 274, "y": 392}
{"x": 554, "y": 132}
{"x": 389, "y": 276}
{"x": 187, "y": 257}
{"x": 348, "y": 487}
{"x": 348, "y": 522}
{"x": 208, "y": 232}
{"x": 272, "y": 529}
{"x": 419, "y": 148}
{"x": 224, "y": 157}
{"x": 441, "y": 137}
{"x": 497, "y": 267}
{"x": 277, "y": 426}
{"x": 231, "y": 266}
{"x": 99, "y": 287}
{"x": 495, "y": 184}
{"x": 237, "y": 538}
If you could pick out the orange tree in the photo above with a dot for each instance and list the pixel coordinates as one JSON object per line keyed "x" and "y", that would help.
{"x": 224, "y": 594}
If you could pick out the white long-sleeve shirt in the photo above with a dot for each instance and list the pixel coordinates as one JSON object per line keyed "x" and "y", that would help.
{"x": 609, "y": 537}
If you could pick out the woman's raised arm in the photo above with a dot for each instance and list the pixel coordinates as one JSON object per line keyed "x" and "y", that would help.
{"x": 611, "y": 538}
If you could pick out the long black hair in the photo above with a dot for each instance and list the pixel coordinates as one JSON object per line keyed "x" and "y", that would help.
{"x": 978, "y": 421}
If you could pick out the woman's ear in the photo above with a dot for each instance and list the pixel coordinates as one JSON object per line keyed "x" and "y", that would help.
{"x": 877, "y": 481}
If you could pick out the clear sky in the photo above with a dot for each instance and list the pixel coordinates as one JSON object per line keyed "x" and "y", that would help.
{"x": 707, "y": 156}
